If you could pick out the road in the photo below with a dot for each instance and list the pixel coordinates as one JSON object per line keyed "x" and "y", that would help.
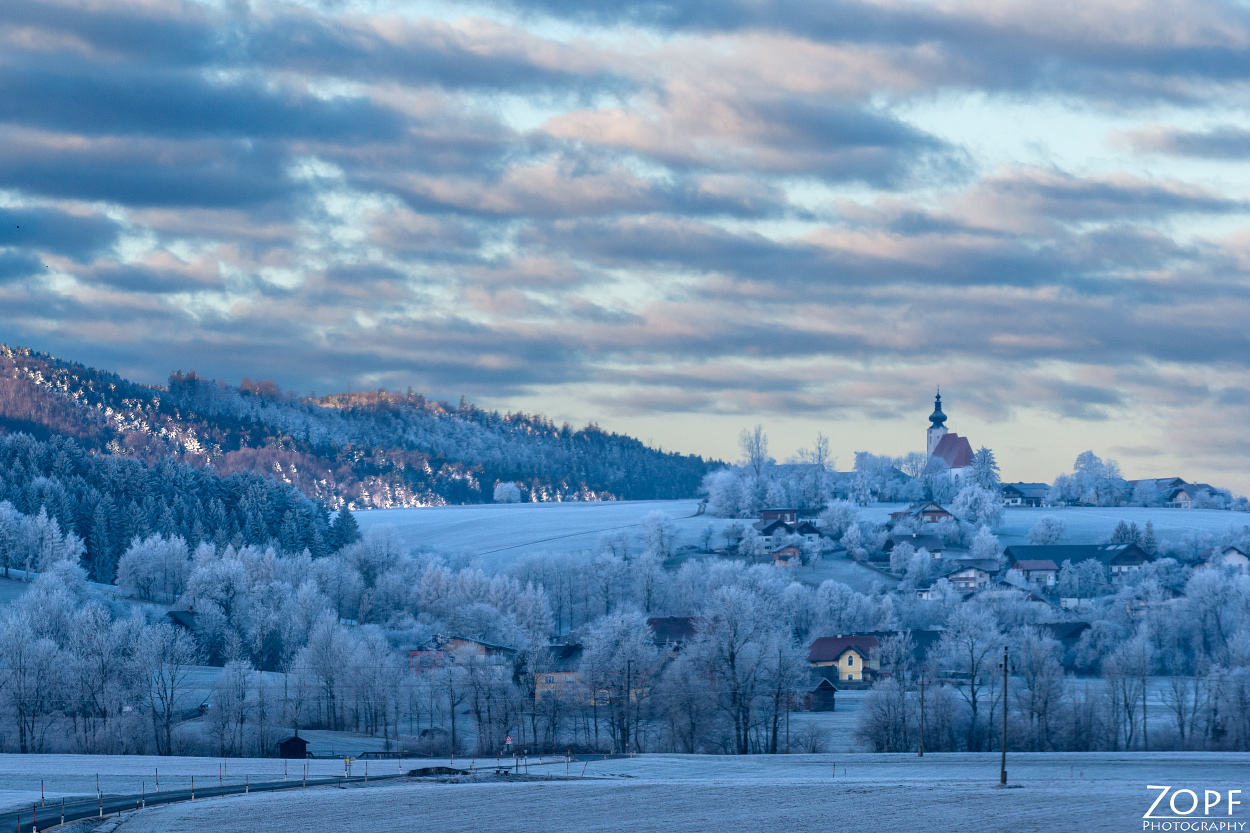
{"x": 53, "y": 814}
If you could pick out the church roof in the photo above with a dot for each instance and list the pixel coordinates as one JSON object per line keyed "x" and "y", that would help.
{"x": 955, "y": 450}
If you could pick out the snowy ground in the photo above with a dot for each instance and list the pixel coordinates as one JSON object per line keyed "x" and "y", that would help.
{"x": 1092, "y": 525}
{"x": 1055, "y": 792}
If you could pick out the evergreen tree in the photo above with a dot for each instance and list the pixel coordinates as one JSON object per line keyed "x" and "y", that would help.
{"x": 985, "y": 469}
{"x": 344, "y": 530}
{"x": 1148, "y": 540}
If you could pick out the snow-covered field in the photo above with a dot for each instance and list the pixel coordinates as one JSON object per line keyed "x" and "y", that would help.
{"x": 498, "y": 533}
{"x": 1090, "y": 793}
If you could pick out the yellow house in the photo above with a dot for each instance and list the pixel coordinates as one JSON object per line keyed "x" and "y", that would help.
{"x": 854, "y": 655}
{"x": 559, "y": 674}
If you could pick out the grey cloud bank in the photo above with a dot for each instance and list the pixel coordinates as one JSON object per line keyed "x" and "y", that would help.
{"x": 635, "y": 212}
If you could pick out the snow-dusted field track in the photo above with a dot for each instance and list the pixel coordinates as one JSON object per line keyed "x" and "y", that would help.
{"x": 1056, "y": 792}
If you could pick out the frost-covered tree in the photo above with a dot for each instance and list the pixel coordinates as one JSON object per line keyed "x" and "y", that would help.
{"x": 1048, "y": 530}
{"x": 507, "y": 493}
{"x": 970, "y": 648}
{"x": 658, "y": 533}
{"x": 985, "y": 470}
{"x": 155, "y": 569}
{"x": 978, "y": 506}
{"x": 985, "y": 545}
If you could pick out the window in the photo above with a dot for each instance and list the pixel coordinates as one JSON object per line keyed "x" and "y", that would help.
{"x": 549, "y": 679}
{"x": 850, "y": 660}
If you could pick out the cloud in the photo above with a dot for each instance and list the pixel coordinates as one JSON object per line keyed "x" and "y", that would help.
{"x": 79, "y": 236}
{"x": 737, "y": 210}
{"x": 1226, "y": 142}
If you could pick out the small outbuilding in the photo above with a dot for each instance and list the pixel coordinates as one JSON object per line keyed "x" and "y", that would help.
{"x": 293, "y": 747}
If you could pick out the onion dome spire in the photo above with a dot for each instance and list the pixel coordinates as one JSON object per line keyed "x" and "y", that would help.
{"x": 937, "y": 419}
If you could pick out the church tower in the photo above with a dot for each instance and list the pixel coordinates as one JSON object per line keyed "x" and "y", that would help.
{"x": 937, "y": 424}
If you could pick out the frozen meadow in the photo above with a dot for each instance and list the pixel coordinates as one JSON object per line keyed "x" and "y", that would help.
{"x": 1049, "y": 792}
{"x": 497, "y": 534}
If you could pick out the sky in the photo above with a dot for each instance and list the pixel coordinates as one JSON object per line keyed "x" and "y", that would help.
{"x": 672, "y": 219}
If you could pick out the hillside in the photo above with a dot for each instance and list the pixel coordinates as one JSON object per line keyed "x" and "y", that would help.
{"x": 367, "y": 450}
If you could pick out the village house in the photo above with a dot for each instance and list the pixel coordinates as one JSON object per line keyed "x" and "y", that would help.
{"x": 1229, "y": 556}
{"x": 1025, "y": 494}
{"x": 787, "y": 555}
{"x": 970, "y": 573}
{"x": 1040, "y": 571}
{"x": 1116, "y": 559}
{"x": 854, "y": 656}
{"x": 560, "y": 674}
{"x": 788, "y": 516}
{"x": 928, "y": 511}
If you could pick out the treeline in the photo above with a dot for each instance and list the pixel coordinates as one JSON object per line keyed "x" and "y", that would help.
{"x": 58, "y": 491}
{"x": 372, "y": 449}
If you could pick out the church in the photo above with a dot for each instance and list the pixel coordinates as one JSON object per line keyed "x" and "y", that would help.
{"x": 955, "y": 450}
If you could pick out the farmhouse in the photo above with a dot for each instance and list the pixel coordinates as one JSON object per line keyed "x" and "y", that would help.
{"x": 853, "y": 655}
{"x": 1025, "y": 494}
{"x": 1115, "y": 558}
{"x": 1183, "y": 497}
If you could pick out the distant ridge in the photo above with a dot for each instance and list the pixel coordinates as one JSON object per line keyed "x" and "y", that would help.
{"x": 369, "y": 450}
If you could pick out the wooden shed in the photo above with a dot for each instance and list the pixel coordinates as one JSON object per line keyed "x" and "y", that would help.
{"x": 293, "y": 747}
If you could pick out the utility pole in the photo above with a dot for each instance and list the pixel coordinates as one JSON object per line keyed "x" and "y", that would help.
{"x": 920, "y": 754}
{"x": 628, "y": 697}
{"x": 1002, "y": 771}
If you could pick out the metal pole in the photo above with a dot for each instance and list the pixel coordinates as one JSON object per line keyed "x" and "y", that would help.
{"x": 1002, "y": 773}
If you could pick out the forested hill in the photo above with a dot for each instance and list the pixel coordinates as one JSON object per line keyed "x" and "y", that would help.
{"x": 369, "y": 450}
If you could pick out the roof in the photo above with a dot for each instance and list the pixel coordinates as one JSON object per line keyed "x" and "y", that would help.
{"x": 829, "y": 648}
{"x": 1191, "y": 489}
{"x": 1064, "y": 631}
{"x": 958, "y": 565}
{"x": 1159, "y": 482}
{"x": 932, "y": 543}
{"x": 1033, "y": 564}
{"x": 489, "y": 646}
{"x": 183, "y": 618}
{"x": 806, "y": 528}
{"x": 673, "y": 629}
{"x": 955, "y": 450}
{"x": 1037, "y": 490}
{"x": 1108, "y": 554}
{"x": 565, "y": 657}
{"x": 769, "y": 527}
